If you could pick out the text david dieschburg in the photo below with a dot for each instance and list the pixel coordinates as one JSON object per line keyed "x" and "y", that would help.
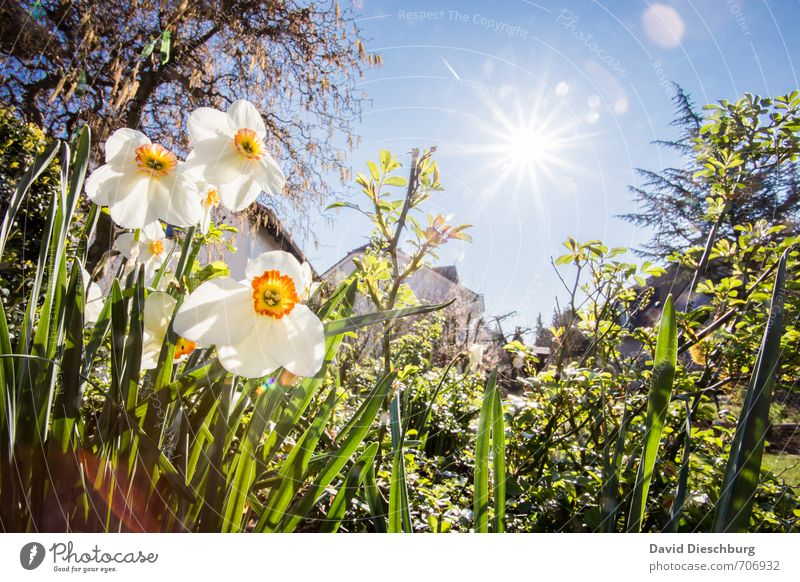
{"x": 690, "y": 548}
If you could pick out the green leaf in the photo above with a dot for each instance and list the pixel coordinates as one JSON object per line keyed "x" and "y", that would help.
{"x": 244, "y": 465}
{"x": 744, "y": 461}
{"x": 7, "y": 384}
{"x": 664, "y": 363}
{"x": 68, "y": 399}
{"x": 499, "y": 462}
{"x": 166, "y": 47}
{"x": 480, "y": 509}
{"x": 375, "y": 501}
{"x": 292, "y": 472}
{"x": 373, "y": 169}
{"x": 386, "y": 160}
{"x": 341, "y": 326}
{"x": 348, "y": 489}
{"x": 341, "y": 204}
{"x": 399, "y": 513}
{"x": 395, "y": 181}
{"x": 375, "y": 399}
{"x": 24, "y": 184}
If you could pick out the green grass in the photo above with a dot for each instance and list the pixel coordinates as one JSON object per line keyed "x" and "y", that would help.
{"x": 785, "y": 467}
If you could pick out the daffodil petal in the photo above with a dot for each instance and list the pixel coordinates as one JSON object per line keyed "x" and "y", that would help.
{"x": 249, "y": 358}
{"x": 158, "y": 309}
{"x": 151, "y": 350}
{"x": 296, "y": 341}
{"x": 240, "y": 193}
{"x": 205, "y": 220}
{"x": 269, "y": 175}
{"x": 151, "y": 266}
{"x": 207, "y": 122}
{"x": 243, "y": 114}
{"x": 218, "y": 312}
{"x": 217, "y": 160}
{"x": 106, "y": 186}
{"x": 93, "y": 303}
{"x": 277, "y": 261}
{"x": 175, "y": 199}
{"x": 308, "y": 280}
{"x": 153, "y": 231}
{"x": 121, "y": 147}
{"x": 134, "y": 210}
{"x": 124, "y": 243}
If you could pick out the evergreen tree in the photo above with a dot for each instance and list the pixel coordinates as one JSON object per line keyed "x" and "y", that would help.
{"x": 542, "y": 336}
{"x": 762, "y": 180}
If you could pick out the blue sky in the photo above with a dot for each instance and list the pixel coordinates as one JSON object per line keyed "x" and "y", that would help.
{"x": 541, "y": 111}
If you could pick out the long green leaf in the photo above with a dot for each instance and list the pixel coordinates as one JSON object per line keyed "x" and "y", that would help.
{"x": 244, "y": 467}
{"x": 664, "y": 363}
{"x": 68, "y": 399}
{"x": 347, "y": 491}
{"x": 375, "y": 399}
{"x": 480, "y": 509}
{"x": 499, "y": 463}
{"x": 375, "y": 501}
{"x": 683, "y": 475}
{"x": 293, "y": 471}
{"x": 744, "y": 461}
{"x": 344, "y": 325}
{"x": 8, "y": 414}
{"x": 399, "y": 512}
{"x": 24, "y": 184}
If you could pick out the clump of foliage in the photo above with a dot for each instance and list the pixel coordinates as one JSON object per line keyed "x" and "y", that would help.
{"x": 20, "y": 143}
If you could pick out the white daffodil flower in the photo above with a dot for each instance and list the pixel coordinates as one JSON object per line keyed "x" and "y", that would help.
{"x": 142, "y": 182}
{"x": 158, "y": 309}
{"x": 475, "y": 354}
{"x": 258, "y": 324}
{"x": 309, "y": 286}
{"x": 209, "y": 200}
{"x": 93, "y": 298}
{"x": 229, "y": 151}
{"x": 151, "y": 250}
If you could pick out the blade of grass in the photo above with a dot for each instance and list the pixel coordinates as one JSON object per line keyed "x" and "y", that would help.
{"x": 293, "y": 471}
{"x": 375, "y": 399}
{"x": 480, "y": 508}
{"x": 347, "y": 491}
{"x": 344, "y": 325}
{"x": 664, "y": 363}
{"x": 744, "y": 461}
{"x": 24, "y": 184}
{"x": 683, "y": 475}
{"x": 499, "y": 463}
{"x": 399, "y": 513}
{"x": 244, "y": 465}
{"x": 68, "y": 399}
{"x": 374, "y": 500}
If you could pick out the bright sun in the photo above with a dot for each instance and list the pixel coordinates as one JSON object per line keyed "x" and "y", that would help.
{"x": 528, "y": 150}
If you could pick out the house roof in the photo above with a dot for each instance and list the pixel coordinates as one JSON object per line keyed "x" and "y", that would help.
{"x": 449, "y": 272}
{"x": 264, "y": 217}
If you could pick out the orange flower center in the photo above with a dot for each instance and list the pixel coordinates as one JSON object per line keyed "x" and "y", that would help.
{"x": 274, "y": 294}
{"x": 211, "y": 199}
{"x": 155, "y": 160}
{"x": 248, "y": 144}
{"x": 157, "y": 247}
{"x": 183, "y": 347}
